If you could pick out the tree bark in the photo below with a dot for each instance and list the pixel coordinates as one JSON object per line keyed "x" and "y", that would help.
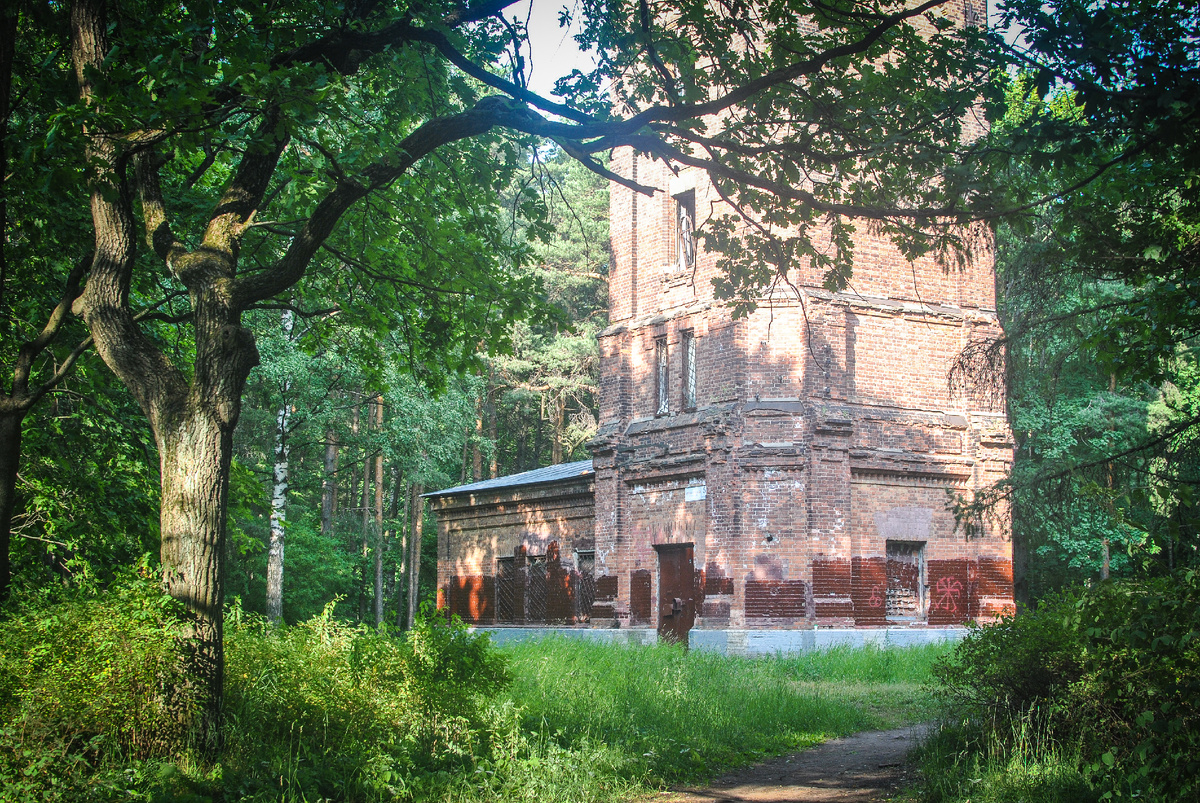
{"x": 329, "y": 483}
{"x": 366, "y": 521}
{"x": 278, "y": 518}
{"x": 558, "y": 416}
{"x": 417, "y": 509}
{"x": 378, "y": 523}
{"x": 476, "y": 453}
{"x": 352, "y": 496}
{"x": 10, "y": 458}
{"x": 195, "y": 454}
{"x": 494, "y": 461}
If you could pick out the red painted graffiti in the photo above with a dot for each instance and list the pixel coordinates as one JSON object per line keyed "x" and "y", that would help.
{"x": 948, "y": 591}
{"x": 876, "y": 598}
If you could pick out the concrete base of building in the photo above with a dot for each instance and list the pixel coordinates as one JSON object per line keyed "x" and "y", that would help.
{"x": 627, "y": 635}
{"x": 786, "y": 642}
{"x": 743, "y": 642}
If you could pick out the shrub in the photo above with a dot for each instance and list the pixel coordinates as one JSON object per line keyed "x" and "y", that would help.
{"x": 88, "y": 679}
{"x": 1111, "y": 671}
{"x": 343, "y": 708}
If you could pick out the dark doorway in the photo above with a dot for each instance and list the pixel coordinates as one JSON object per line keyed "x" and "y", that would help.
{"x": 905, "y": 580}
{"x": 676, "y": 584}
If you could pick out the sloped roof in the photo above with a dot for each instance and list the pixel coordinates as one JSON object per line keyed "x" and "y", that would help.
{"x": 539, "y": 476}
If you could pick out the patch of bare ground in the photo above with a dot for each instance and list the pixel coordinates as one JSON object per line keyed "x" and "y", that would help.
{"x": 863, "y": 768}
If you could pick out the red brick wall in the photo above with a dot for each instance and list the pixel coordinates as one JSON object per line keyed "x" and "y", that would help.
{"x": 824, "y": 427}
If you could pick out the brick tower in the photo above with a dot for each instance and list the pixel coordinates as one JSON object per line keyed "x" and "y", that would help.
{"x": 790, "y": 470}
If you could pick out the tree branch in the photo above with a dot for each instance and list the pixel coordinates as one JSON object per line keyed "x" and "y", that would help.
{"x": 159, "y": 236}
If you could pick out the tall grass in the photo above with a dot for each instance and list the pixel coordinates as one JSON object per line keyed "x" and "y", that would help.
{"x": 328, "y": 710}
{"x": 685, "y": 715}
{"x": 963, "y": 762}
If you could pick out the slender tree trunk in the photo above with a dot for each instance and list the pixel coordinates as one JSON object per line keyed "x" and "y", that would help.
{"x": 10, "y": 458}
{"x": 10, "y": 422}
{"x": 397, "y": 535}
{"x": 417, "y": 509}
{"x": 365, "y": 531}
{"x": 378, "y": 524}
{"x": 352, "y": 497}
{"x": 494, "y": 462}
{"x": 537, "y": 441}
{"x": 476, "y": 454}
{"x": 279, "y": 488}
{"x": 462, "y": 475}
{"x": 557, "y": 421}
{"x": 522, "y": 440}
{"x": 329, "y": 483}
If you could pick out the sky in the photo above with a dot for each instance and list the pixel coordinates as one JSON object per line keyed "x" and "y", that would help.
{"x": 553, "y": 52}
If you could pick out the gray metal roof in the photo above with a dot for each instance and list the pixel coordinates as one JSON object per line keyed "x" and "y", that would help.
{"x": 558, "y": 473}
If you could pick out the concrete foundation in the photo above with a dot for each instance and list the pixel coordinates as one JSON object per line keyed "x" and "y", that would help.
{"x": 743, "y": 642}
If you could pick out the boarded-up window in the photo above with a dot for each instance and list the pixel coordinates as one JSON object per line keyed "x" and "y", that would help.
{"x": 905, "y": 580}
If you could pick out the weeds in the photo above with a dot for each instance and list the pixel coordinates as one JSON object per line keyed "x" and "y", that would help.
{"x": 1095, "y": 695}
{"x": 327, "y": 710}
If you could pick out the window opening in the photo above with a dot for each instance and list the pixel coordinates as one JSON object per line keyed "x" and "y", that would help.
{"x": 685, "y": 229}
{"x": 585, "y": 584}
{"x": 662, "y": 373}
{"x": 905, "y": 580}
{"x": 689, "y": 370}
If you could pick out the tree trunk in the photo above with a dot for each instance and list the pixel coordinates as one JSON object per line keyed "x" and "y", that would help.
{"x": 352, "y": 496}
{"x": 195, "y": 456}
{"x": 329, "y": 483}
{"x": 476, "y": 454}
{"x": 462, "y": 476}
{"x": 417, "y": 509}
{"x": 278, "y": 518}
{"x": 558, "y": 417}
{"x": 537, "y": 441}
{"x": 365, "y": 531}
{"x": 494, "y": 461}
{"x": 10, "y": 458}
{"x": 378, "y": 524}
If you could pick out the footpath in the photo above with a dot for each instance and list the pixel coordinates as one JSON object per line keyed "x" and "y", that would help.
{"x": 863, "y": 768}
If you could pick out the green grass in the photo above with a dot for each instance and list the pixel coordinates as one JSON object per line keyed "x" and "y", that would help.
{"x": 962, "y": 763}
{"x": 687, "y": 715}
{"x": 328, "y": 710}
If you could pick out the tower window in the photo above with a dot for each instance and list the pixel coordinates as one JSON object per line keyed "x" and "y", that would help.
{"x": 689, "y": 370}
{"x": 685, "y": 230}
{"x": 662, "y": 375}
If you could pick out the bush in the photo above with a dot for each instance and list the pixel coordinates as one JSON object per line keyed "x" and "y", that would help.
{"x": 88, "y": 679}
{"x": 342, "y": 708}
{"x": 1112, "y": 672}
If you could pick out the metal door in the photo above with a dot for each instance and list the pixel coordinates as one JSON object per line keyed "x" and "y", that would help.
{"x": 676, "y": 591}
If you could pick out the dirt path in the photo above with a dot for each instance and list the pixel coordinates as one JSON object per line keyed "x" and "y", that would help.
{"x": 864, "y": 768}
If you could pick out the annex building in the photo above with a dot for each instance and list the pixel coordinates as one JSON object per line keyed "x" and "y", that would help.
{"x": 758, "y": 478}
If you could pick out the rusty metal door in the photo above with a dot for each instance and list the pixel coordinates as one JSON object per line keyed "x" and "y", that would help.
{"x": 676, "y": 591}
